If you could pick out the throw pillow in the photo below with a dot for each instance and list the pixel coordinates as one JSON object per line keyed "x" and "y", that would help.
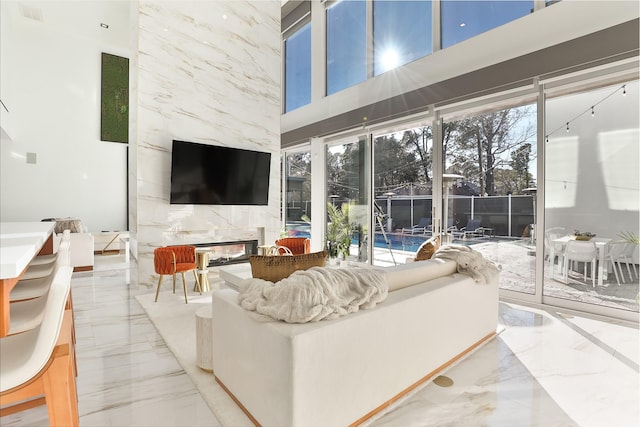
{"x": 276, "y": 268}
{"x": 71, "y": 224}
{"x": 428, "y": 248}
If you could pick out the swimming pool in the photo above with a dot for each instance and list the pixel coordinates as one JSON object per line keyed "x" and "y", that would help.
{"x": 411, "y": 243}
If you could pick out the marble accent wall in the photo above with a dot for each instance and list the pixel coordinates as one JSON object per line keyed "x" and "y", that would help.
{"x": 208, "y": 72}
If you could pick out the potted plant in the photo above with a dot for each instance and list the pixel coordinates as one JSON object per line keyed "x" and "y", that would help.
{"x": 338, "y": 238}
{"x": 630, "y": 237}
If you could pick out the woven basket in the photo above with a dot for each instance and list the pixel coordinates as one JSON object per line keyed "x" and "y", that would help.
{"x": 276, "y": 268}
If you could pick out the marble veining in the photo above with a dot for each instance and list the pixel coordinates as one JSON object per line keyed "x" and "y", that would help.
{"x": 208, "y": 72}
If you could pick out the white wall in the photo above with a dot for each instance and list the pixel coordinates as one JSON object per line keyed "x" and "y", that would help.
{"x": 208, "y": 72}
{"x": 51, "y": 86}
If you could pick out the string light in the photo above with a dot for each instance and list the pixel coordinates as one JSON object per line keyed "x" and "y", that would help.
{"x": 591, "y": 109}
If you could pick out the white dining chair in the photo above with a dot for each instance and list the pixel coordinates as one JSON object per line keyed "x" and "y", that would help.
{"x": 580, "y": 251}
{"x": 621, "y": 252}
{"x": 550, "y": 235}
{"x": 39, "y": 270}
{"x": 37, "y": 287}
{"x": 27, "y": 314}
{"x": 41, "y": 362}
{"x": 614, "y": 251}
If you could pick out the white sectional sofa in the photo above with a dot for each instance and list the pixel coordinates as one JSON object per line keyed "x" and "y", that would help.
{"x": 81, "y": 250}
{"x": 340, "y": 372}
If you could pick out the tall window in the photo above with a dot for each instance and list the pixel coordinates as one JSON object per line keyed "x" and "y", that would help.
{"x": 297, "y": 74}
{"x": 346, "y": 45}
{"x": 297, "y": 168}
{"x": 403, "y": 183}
{"x": 464, "y": 19}
{"x": 347, "y": 200}
{"x": 401, "y": 33}
{"x": 592, "y": 191}
{"x": 488, "y": 190}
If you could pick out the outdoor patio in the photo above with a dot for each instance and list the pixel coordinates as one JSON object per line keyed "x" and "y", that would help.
{"x": 517, "y": 258}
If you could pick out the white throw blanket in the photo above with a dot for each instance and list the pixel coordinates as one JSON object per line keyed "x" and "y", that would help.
{"x": 470, "y": 262}
{"x": 314, "y": 294}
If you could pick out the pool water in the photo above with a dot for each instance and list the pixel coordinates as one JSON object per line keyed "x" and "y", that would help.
{"x": 400, "y": 242}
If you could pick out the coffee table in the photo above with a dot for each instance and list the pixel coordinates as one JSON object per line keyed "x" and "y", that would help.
{"x": 234, "y": 274}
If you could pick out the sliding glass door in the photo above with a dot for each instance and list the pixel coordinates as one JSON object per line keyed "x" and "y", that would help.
{"x": 297, "y": 193}
{"x": 489, "y": 190}
{"x": 592, "y": 198}
{"x": 402, "y": 188}
{"x": 564, "y": 228}
{"x": 347, "y": 199}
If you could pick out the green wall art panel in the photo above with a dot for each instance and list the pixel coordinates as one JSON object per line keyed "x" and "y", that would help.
{"x": 114, "y": 117}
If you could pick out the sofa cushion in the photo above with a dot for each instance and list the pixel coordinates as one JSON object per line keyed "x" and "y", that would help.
{"x": 403, "y": 275}
{"x": 276, "y": 268}
{"x": 428, "y": 248}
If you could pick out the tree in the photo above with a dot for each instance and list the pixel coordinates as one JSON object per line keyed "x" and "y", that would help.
{"x": 395, "y": 164}
{"x": 336, "y": 181}
{"x": 520, "y": 159}
{"x": 298, "y": 174}
{"x": 420, "y": 141}
{"x": 478, "y": 146}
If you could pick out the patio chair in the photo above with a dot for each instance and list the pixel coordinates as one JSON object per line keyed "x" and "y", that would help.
{"x": 420, "y": 228}
{"x": 579, "y": 251}
{"x": 176, "y": 259}
{"x": 550, "y": 235}
{"x": 297, "y": 245}
{"x": 621, "y": 252}
{"x": 614, "y": 252}
{"x": 472, "y": 228}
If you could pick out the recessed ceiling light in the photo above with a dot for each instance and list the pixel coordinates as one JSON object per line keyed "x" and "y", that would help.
{"x": 103, "y": 25}
{"x": 224, "y": 17}
{"x": 462, "y": 24}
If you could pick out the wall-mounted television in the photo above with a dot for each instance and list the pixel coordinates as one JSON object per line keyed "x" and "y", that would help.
{"x": 203, "y": 174}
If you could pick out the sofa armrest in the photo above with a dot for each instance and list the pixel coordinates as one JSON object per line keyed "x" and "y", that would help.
{"x": 403, "y": 275}
{"x": 81, "y": 251}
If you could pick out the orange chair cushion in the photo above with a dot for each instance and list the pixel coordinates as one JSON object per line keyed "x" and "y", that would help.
{"x": 297, "y": 245}
{"x": 185, "y": 266}
{"x": 185, "y": 259}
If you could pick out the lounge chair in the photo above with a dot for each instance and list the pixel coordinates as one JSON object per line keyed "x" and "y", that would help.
{"x": 472, "y": 228}
{"x": 421, "y": 228}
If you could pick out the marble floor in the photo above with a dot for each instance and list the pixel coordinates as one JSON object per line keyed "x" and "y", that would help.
{"x": 546, "y": 368}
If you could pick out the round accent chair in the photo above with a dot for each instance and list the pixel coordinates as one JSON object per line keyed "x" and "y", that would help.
{"x": 175, "y": 259}
{"x": 297, "y": 245}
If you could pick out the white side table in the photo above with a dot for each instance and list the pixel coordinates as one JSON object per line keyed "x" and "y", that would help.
{"x": 204, "y": 339}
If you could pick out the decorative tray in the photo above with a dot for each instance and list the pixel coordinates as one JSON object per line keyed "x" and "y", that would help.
{"x": 584, "y": 236}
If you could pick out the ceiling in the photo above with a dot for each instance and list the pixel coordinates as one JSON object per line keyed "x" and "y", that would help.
{"x": 79, "y": 18}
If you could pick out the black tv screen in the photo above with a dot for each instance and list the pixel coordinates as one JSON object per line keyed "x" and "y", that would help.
{"x": 204, "y": 174}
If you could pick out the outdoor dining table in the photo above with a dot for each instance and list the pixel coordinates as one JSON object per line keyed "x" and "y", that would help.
{"x": 601, "y": 246}
{"x": 19, "y": 243}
